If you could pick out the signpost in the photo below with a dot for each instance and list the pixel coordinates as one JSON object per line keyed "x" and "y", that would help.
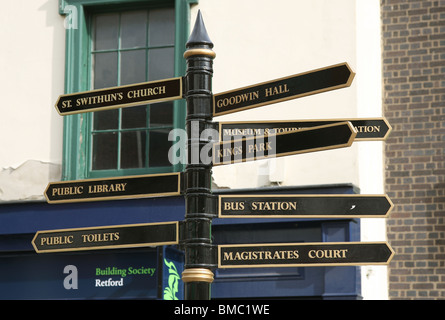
{"x": 304, "y": 206}
{"x": 155, "y": 185}
{"x": 292, "y": 87}
{"x": 369, "y": 129}
{"x": 332, "y": 136}
{"x": 119, "y": 97}
{"x": 110, "y": 237}
{"x": 240, "y": 141}
{"x": 304, "y": 254}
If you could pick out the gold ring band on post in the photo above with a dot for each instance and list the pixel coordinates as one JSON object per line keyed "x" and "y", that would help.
{"x": 198, "y": 275}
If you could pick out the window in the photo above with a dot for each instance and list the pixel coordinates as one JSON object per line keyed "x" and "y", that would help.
{"x": 131, "y": 47}
{"x": 115, "y": 45}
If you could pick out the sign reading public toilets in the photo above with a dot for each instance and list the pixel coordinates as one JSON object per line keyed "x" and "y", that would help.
{"x": 121, "y": 236}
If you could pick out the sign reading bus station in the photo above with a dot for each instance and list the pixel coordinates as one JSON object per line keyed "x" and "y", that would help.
{"x": 304, "y": 254}
{"x": 304, "y": 206}
{"x": 122, "y": 236}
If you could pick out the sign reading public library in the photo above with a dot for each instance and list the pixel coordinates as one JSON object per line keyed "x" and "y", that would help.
{"x": 304, "y": 254}
{"x": 154, "y": 185}
{"x": 119, "y": 97}
{"x": 122, "y": 236}
{"x": 304, "y": 206}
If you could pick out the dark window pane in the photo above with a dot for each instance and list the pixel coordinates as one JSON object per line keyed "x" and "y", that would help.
{"x": 159, "y": 147}
{"x": 133, "y": 66}
{"x": 134, "y": 29}
{"x": 104, "y": 120}
{"x": 161, "y": 27}
{"x": 161, "y": 114}
{"x": 160, "y": 63}
{"x": 133, "y": 149}
{"x": 104, "y": 151}
{"x": 105, "y": 70}
{"x": 106, "y": 35}
{"x": 134, "y": 117}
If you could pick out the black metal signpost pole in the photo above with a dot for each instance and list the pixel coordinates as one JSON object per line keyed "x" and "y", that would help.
{"x": 200, "y": 254}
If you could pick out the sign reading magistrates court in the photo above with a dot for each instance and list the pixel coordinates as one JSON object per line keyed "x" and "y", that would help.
{"x": 304, "y": 254}
{"x": 111, "y": 237}
{"x": 119, "y": 97}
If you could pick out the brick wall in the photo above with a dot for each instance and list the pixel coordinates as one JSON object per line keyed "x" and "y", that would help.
{"x": 413, "y": 42}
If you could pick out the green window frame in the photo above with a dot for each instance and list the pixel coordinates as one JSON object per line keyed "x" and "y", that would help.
{"x": 77, "y": 128}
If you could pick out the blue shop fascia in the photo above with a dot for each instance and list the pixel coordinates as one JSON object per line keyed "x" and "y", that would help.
{"x": 155, "y": 272}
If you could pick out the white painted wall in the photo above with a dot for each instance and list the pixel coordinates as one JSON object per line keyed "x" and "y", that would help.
{"x": 258, "y": 40}
{"x": 32, "y": 77}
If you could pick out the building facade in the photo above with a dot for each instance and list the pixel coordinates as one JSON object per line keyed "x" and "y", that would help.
{"x": 413, "y": 74}
{"x": 80, "y": 45}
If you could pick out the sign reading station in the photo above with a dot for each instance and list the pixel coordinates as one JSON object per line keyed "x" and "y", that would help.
{"x": 332, "y": 136}
{"x": 154, "y": 185}
{"x": 371, "y": 129}
{"x": 304, "y": 206}
{"x": 304, "y": 254}
{"x": 119, "y": 97}
{"x": 292, "y": 87}
{"x": 110, "y": 237}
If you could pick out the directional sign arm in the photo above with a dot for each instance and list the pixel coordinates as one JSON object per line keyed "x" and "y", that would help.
{"x": 109, "y": 237}
{"x": 292, "y": 87}
{"x": 368, "y": 129}
{"x": 332, "y": 136}
{"x": 304, "y": 254}
{"x": 304, "y": 206}
{"x": 119, "y": 97}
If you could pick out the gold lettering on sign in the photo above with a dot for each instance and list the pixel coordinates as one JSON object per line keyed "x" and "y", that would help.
{"x": 100, "y": 237}
{"x": 103, "y": 188}
{"x": 276, "y": 90}
{"x": 274, "y": 205}
{"x": 261, "y": 255}
{"x": 367, "y": 129}
{"x": 99, "y": 99}
{"x": 49, "y": 241}
{"x": 250, "y": 96}
{"x": 146, "y": 92}
{"x": 64, "y": 191}
{"x": 328, "y": 254}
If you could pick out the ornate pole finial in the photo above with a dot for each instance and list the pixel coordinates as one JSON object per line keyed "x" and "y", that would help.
{"x": 199, "y": 42}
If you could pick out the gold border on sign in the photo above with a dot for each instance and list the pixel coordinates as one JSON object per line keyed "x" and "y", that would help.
{"x": 291, "y": 216}
{"x": 151, "y": 244}
{"x": 337, "y": 146}
{"x": 345, "y": 85}
{"x": 145, "y": 195}
{"x": 117, "y": 106}
{"x": 339, "y": 120}
{"x": 304, "y": 264}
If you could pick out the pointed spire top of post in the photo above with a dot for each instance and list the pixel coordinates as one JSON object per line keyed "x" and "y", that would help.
{"x": 199, "y": 36}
